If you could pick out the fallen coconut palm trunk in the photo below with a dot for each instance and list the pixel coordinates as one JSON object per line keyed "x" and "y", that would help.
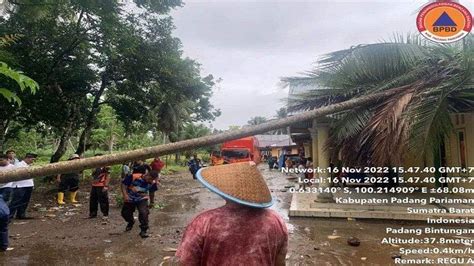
{"x": 170, "y": 148}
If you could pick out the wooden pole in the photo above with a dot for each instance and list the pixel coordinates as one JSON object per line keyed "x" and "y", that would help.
{"x": 170, "y": 148}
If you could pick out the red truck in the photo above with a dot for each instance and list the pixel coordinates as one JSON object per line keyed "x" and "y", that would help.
{"x": 239, "y": 150}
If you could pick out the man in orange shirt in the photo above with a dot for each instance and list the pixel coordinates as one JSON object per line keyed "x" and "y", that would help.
{"x": 99, "y": 192}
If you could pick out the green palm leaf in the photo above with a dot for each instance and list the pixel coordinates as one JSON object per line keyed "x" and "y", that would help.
{"x": 435, "y": 80}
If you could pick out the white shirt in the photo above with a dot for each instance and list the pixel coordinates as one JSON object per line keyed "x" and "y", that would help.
{"x": 6, "y": 168}
{"x": 23, "y": 183}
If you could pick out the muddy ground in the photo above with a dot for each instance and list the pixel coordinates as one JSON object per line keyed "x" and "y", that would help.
{"x": 63, "y": 236}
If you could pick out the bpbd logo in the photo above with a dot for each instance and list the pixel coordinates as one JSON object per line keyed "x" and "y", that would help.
{"x": 444, "y": 22}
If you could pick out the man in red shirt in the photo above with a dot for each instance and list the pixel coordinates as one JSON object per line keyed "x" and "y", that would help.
{"x": 156, "y": 165}
{"x": 243, "y": 231}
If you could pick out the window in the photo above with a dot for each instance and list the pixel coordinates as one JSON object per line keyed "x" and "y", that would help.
{"x": 237, "y": 154}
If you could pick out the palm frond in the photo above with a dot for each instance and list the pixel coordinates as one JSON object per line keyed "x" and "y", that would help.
{"x": 429, "y": 126}
{"x": 387, "y": 129}
{"x": 434, "y": 81}
{"x": 9, "y": 39}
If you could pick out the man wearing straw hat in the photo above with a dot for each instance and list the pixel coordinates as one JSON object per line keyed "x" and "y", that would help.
{"x": 243, "y": 231}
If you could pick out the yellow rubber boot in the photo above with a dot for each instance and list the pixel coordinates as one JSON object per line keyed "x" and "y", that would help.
{"x": 61, "y": 198}
{"x": 73, "y": 197}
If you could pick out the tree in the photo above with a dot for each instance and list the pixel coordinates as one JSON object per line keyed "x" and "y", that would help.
{"x": 281, "y": 113}
{"x": 12, "y": 83}
{"x": 173, "y": 95}
{"x": 256, "y": 120}
{"x": 190, "y": 131}
{"x": 433, "y": 81}
{"x": 86, "y": 54}
{"x": 109, "y": 130}
{"x": 23, "y": 81}
{"x": 233, "y": 128}
{"x": 56, "y": 52}
{"x": 170, "y": 148}
{"x": 25, "y": 141}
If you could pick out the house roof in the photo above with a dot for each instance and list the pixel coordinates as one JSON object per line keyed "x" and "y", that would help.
{"x": 274, "y": 141}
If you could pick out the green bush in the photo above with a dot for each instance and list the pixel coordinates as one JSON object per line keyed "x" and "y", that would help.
{"x": 119, "y": 199}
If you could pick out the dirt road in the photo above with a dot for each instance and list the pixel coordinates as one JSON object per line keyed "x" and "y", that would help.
{"x": 62, "y": 236}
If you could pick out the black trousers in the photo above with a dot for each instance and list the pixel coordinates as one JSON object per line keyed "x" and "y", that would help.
{"x": 98, "y": 197}
{"x": 20, "y": 200}
{"x": 193, "y": 173}
{"x": 68, "y": 184}
{"x": 129, "y": 208}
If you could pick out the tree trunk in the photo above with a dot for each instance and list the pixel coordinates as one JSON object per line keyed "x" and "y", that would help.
{"x": 111, "y": 143}
{"x": 55, "y": 144}
{"x": 35, "y": 143}
{"x": 81, "y": 146}
{"x": 64, "y": 139}
{"x": 90, "y": 121}
{"x": 170, "y": 148}
{"x": 3, "y": 131}
{"x": 62, "y": 146}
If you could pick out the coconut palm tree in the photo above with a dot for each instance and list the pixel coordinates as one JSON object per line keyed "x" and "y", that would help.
{"x": 281, "y": 113}
{"x": 434, "y": 81}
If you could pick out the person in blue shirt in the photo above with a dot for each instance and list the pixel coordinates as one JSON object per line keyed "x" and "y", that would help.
{"x": 194, "y": 165}
{"x": 135, "y": 192}
{"x": 4, "y": 220}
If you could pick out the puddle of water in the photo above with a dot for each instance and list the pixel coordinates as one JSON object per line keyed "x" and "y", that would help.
{"x": 183, "y": 199}
{"x": 310, "y": 245}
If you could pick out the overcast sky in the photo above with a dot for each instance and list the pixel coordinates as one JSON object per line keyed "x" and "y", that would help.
{"x": 252, "y": 44}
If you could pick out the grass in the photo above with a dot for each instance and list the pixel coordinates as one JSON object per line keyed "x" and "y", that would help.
{"x": 172, "y": 169}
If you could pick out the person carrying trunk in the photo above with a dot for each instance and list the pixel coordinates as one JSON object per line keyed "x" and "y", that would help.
{"x": 6, "y": 189}
{"x": 22, "y": 190}
{"x": 99, "y": 192}
{"x": 68, "y": 182}
{"x": 156, "y": 165}
{"x": 135, "y": 192}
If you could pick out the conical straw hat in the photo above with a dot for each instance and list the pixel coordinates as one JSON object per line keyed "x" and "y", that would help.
{"x": 238, "y": 182}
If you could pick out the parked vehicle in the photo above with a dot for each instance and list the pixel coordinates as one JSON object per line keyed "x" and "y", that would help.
{"x": 216, "y": 158}
{"x": 295, "y": 159}
{"x": 239, "y": 150}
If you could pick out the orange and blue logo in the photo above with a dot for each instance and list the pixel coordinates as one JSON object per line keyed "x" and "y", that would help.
{"x": 444, "y": 21}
